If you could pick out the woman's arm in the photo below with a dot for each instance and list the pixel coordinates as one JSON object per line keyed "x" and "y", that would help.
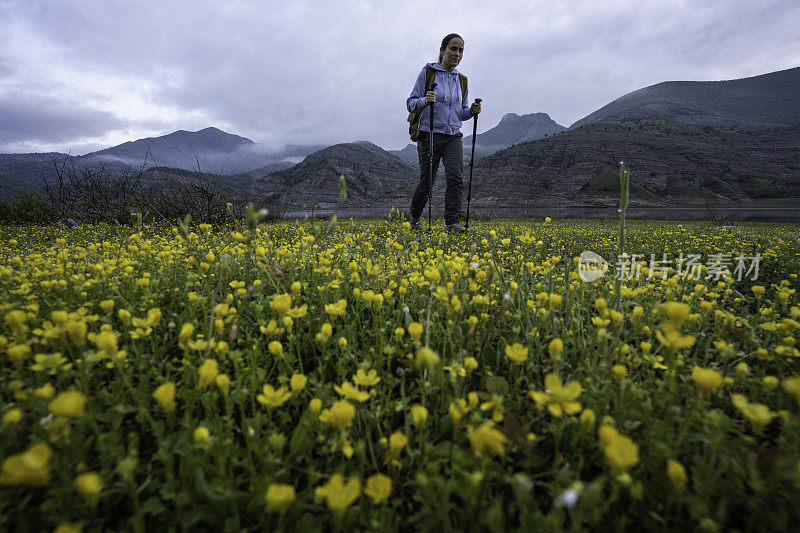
{"x": 416, "y": 102}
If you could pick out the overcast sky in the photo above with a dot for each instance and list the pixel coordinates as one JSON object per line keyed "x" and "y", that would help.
{"x": 82, "y": 75}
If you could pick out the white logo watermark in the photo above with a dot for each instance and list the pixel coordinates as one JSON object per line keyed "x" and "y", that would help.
{"x": 592, "y": 266}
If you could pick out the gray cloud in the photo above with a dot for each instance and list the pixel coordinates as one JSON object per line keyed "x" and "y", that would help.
{"x": 44, "y": 119}
{"x": 325, "y": 72}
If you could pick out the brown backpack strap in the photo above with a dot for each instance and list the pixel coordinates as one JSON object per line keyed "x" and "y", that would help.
{"x": 429, "y": 75}
{"x": 463, "y": 80}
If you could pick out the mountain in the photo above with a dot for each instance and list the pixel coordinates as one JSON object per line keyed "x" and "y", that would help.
{"x": 686, "y": 143}
{"x": 670, "y": 164}
{"x": 232, "y": 185}
{"x": 769, "y": 102}
{"x": 407, "y": 155}
{"x": 23, "y": 172}
{"x": 373, "y": 177}
{"x": 211, "y": 150}
{"x": 512, "y": 129}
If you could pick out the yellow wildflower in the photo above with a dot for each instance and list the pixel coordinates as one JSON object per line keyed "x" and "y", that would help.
{"x": 11, "y": 418}
{"x": 758, "y": 414}
{"x": 15, "y": 319}
{"x": 560, "y": 399}
{"x": 274, "y": 397}
{"x": 415, "y": 330}
{"x": 76, "y": 329}
{"x": 336, "y": 309}
{"x": 207, "y": 372}
{"x": 45, "y": 392}
{"x": 27, "y": 468}
{"x": 89, "y": 485}
{"x": 672, "y": 338}
{"x": 419, "y": 414}
{"x": 340, "y": 414}
{"x": 677, "y": 474}
{"x": 337, "y": 493}
{"x": 621, "y": 452}
{"x": 378, "y": 488}
{"x": 517, "y": 353}
{"x": 165, "y": 396}
{"x": 458, "y": 409}
{"x": 486, "y": 441}
{"x": 555, "y": 348}
{"x": 279, "y": 497}
{"x": 676, "y": 311}
{"x": 202, "y": 435}
{"x": 187, "y": 330}
{"x": 17, "y": 352}
{"x": 298, "y": 382}
{"x": 470, "y": 364}
{"x": 223, "y": 383}
{"x": 275, "y": 348}
{"x": 281, "y": 303}
{"x": 69, "y": 404}
{"x": 107, "y": 306}
{"x": 271, "y": 329}
{"x": 351, "y": 393}
{"x": 364, "y": 379}
{"x": 587, "y": 419}
{"x": 706, "y": 379}
{"x": 792, "y": 386}
{"x": 427, "y": 359}
{"x": 106, "y": 341}
{"x": 397, "y": 441}
{"x": 315, "y": 406}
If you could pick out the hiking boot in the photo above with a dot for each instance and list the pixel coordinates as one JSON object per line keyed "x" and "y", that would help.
{"x": 455, "y": 229}
{"x": 415, "y": 224}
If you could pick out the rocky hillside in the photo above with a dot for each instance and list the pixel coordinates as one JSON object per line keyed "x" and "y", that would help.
{"x": 767, "y": 103}
{"x": 373, "y": 177}
{"x": 729, "y": 143}
{"x": 514, "y": 129}
{"x": 670, "y": 164}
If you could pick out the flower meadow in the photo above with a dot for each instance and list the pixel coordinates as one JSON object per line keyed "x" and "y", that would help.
{"x": 304, "y": 375}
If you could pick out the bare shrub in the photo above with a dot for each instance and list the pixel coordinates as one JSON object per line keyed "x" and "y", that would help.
{"x": 94, "y": 193}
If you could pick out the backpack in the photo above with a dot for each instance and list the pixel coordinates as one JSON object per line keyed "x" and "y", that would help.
{"x": 413, "y": 117}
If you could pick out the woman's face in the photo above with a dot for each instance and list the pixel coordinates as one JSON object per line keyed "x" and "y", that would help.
{"x": 452, "y": 53}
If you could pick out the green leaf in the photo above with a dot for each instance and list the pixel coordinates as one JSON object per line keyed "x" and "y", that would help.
{"x": 301, "y": 440}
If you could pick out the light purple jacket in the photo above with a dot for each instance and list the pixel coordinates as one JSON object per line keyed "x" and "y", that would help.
{"x": 451, "y": 106}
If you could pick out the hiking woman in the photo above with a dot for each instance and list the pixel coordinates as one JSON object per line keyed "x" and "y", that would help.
{"x": 450, "y": 108}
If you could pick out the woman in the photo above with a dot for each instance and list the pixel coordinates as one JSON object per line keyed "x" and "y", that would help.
{"x": 450, "y": 109}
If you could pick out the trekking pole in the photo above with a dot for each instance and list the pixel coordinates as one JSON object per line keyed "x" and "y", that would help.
{"x": 471, "y": 161}
{"x": 430, "y": 172}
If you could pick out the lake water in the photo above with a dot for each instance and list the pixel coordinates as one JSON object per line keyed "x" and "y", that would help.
{"x": 739, "y": 214}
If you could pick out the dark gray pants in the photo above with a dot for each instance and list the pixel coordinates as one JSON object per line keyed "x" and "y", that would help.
{"x": 449, "y": 150}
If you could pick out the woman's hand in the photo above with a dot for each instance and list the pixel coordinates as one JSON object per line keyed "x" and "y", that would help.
{"x": 475, "y": 108}
{"x": 430, "y": 97}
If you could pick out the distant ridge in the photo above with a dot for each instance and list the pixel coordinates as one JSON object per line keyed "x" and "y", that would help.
{"x": 512, "y": 129}
{"x": 371, "y": 173}
{"x": 758, "y": 103}
{"x": 211, "y": 148}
